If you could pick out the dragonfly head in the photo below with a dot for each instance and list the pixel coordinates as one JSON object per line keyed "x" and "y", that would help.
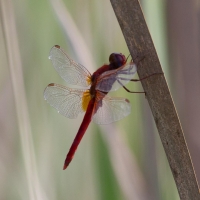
{"x": 117, "y": 60}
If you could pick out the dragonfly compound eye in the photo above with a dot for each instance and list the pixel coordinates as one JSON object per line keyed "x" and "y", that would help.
{"x": 117, "y": 59}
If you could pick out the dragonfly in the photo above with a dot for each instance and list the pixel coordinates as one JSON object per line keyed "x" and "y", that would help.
{"x": 90, "y": 96}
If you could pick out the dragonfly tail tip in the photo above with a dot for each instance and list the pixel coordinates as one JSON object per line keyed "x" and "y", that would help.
{"x": 65, "y": 165}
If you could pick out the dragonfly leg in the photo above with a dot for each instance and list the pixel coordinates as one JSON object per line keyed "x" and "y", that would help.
{"x": 135, "y": 80}
{"x": 129, "y": 90}
{"x": 133, "y": 91}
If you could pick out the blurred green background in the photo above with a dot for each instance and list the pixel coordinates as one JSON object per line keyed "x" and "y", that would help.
{"x": 124, "y": 160}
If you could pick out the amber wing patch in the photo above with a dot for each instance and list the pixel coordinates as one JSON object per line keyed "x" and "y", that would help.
{"x": 86, "y": 99}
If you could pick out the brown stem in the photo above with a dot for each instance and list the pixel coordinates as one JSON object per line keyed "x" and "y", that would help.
{"x": 137, "y": 36}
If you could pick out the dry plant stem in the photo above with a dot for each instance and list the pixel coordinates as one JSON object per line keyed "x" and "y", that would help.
{"x": 138, "y": 39}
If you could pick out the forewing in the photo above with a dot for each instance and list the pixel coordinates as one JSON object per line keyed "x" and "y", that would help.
{"x": 72, "y": 72}
{"x": 111, "y": 109}
{"x": 66, "y": 101}
{"x": 114, "y": 79}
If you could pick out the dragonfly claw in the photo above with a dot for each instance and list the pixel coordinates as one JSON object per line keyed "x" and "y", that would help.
{"x": 139, "y": 57}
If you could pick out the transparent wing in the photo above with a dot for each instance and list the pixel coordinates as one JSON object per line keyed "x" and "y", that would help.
{"x": 110, "y": 109}
{"x": 72, "y": 72}
{"x": 114, "y": 79}
{"x": 66, "y": 101}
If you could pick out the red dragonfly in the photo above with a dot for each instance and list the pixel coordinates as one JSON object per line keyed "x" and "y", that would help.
{"x": 92, "y": 97}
